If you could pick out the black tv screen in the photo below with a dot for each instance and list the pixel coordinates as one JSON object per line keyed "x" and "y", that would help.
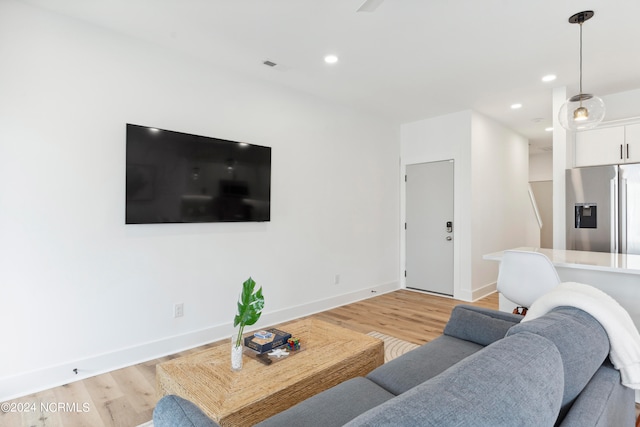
{"x": 175, "y": 177}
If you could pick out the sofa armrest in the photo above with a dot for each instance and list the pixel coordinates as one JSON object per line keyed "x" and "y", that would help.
{"x": 479, "y": 325}
{"x": 174, "y": 411}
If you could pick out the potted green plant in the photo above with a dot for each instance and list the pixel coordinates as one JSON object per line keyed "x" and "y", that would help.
{"x": 250, "y": 305}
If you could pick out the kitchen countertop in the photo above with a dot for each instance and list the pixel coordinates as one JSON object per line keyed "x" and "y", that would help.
{"x": 598, "y": 261}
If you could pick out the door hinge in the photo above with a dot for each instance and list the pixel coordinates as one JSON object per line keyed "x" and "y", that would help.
{"x": 405, "y": 225}
{"x": 405, "y": 178}
{"x": 405, "y": 273}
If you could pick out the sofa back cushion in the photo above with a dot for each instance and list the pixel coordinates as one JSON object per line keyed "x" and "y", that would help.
{"x": 581, "y": 340}
{"x": 479, "y": 325}
{"x": 517, "y": 381}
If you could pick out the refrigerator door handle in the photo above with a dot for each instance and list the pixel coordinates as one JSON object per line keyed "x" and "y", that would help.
{"x": 615, "y": 232}
{"x": 622, "y": 217}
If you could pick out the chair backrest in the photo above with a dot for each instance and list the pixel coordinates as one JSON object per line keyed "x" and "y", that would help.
{"x": 525, "y": 276}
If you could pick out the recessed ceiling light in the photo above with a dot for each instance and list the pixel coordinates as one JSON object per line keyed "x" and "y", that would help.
{"x": 330, "y": 59}
{"x": 516, "y": 106}
{"x": 549, "y": 78}
{"x": 549, "y": 129}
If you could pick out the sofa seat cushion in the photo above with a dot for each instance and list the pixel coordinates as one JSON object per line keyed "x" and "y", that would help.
{"x": 582, "y": 341}
{"x": 333, "y": 407}
{"x": 517, "y": 381}
{"x": 479, "y": 325}
{"x": 422, "y": 364}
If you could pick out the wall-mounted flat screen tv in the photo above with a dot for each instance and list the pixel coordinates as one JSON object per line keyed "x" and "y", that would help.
{"x": 175, "y": 177}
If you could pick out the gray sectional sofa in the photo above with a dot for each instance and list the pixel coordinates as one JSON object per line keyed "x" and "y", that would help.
{"x": 487, "y": 369}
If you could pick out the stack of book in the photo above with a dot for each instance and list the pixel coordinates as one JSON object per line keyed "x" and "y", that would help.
{"x": 265, "y": 341}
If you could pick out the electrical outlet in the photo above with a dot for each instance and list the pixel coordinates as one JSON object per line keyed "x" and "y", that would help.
{"x": 336, "y": 279}
{"x": 178, "y": 310}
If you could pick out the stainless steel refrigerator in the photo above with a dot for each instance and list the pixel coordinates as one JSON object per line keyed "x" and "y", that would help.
{"x": 603, "y": 209}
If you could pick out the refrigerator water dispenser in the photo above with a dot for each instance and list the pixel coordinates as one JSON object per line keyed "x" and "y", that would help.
{"x": 586, "y": 215}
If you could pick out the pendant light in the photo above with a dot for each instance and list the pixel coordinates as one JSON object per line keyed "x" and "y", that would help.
{"x": 581, "y": 111}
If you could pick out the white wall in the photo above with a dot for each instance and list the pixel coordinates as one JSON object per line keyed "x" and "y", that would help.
{"x": 492, "y": 209}
{"x": 562, "y": 153}
{"x": 541, "y": 181}
{"x": 501, "y": 213}
{"x": 622, "y": 105}
{"x": 82, "y": 290}
{"x": 541, "y": 167}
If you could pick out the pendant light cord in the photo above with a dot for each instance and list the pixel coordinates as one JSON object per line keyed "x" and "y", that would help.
{"x": 581, "y": 61}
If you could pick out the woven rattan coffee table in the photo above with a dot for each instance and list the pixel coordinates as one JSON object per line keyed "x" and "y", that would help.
{"x": 330, "y": 355}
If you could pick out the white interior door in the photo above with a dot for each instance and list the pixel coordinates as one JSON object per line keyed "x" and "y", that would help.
{"x": 429, "y": 227}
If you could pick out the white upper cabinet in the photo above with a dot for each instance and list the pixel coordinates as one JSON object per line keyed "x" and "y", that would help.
{"x": 600, "y": 147}
{"x": 632, "y": 141}
{"x": 608, "y": 146}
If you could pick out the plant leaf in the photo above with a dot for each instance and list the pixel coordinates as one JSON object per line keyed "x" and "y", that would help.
{"x": 250, "y": 304}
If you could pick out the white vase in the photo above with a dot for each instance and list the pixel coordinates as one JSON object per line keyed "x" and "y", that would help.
{"x": 236, "y": 354}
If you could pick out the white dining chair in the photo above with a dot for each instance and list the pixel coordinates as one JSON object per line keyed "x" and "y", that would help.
{"x": 525, "y": 276}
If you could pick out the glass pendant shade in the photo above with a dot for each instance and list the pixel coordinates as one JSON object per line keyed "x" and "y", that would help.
{"x": 580, "y": 112}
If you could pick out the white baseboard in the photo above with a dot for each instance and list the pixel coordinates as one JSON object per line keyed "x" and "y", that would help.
{"x": 475, "y": 294}
{"x": 484, "y": 291}
{"x": 34, "y": 381}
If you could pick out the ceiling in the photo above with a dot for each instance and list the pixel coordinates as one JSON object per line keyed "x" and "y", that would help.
{"x": 408, "y": 59}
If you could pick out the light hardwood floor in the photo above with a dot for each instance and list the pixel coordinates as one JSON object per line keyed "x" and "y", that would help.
{"x": 126, "y": 397}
